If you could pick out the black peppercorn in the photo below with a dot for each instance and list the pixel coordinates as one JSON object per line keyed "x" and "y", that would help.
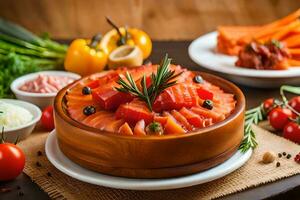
{"x": 39, "y": 153}
{"x": 288, "y": 156}
{"x": 279, "y": 155}
{"x": 284, "y": 154}
{"x": 278, "y": 164}
{"x": 38, "y": 164}
{"x": 86, "y": 90}
{"x": 207, "y": 104}
{"x": 89, "y": 110}
{"x": 198, "y": 79}
{"x": 49, "y": 174}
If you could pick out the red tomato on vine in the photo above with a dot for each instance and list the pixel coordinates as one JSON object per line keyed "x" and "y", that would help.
{"x": 12, "y": 160}
{"x": 292, "y": 132}
{"x": 279, "y": 117}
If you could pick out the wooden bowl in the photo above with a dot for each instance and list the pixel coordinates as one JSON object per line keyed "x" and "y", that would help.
{"x": 151, "y": 156}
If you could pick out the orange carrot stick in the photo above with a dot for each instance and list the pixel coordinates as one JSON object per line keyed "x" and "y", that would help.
{"x": 292, "y": 41}
{"x": 286, "y": 29}
{"x": 296, "y": 30}
{"x": 293, "y": 62}
{"x": 294, "y": 51}
{"x": 273, "y": 27}
{"x": 285, "y": 20}
{"x": 262, "y": 33}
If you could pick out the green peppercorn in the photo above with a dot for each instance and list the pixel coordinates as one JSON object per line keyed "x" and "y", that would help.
{"x": 154, "y": 128}
{"x": 288, "y": 156}
{"x": 89, "y": 110}
{"x": 86, "y": 90}
{"x": 198, "y": 79}
{"x": 208, "y": 104}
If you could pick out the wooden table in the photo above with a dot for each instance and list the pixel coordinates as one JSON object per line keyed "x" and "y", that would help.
{"x": 288, "y": 188}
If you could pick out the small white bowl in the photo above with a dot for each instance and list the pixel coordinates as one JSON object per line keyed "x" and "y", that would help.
{"x": 42, "y": 100}
{"x": 25, "y": 130}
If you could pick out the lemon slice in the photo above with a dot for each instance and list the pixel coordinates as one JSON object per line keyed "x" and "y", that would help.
{"x": 109, "y": 41}
{"x": 125, "y": 56}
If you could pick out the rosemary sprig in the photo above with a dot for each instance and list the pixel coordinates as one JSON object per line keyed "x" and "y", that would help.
{"x": 161, "y": 80}
{"x": 252, "y": 116}
{"x": 255, "y": 115}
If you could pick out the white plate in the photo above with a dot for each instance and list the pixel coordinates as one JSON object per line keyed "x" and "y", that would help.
{"x": 202, "y": 51}
{"x": 61, "y": 162}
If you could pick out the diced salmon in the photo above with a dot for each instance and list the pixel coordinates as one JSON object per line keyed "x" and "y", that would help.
{"x": 205, "y": 94}
{"x": 192, "y": 118}
{"x": 112, "y": 76}
{"x": 139, "y": 128}
{"x": 77, "y": 114}
{"x": 182, "y": 120}
{"x": 208, "y": 122}
{"x": 178, "y": 108}
{"x": 134, "y": 111}
{"x": 185, "y": 77}
{"x": 162, "y": 120}
{"x": 109, "y": 98}
{"x": 102, "y": 123}
{"x": 88, "y": 120}
{"x": 114, "y": 125}
{"x": 100, "y": 120}
{"x": 80, "y": 98}
{"x": 138, "y": 73}
{"x": 176, "y": 97}
{"x": 125, "y": 129}
{"x": 172, "y": 127}
{"x": 77, "y": 104}
{"x": 215, "y": 116}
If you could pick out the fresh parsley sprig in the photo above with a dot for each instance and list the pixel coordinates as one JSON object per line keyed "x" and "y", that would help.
{"x": 161, "y": 80}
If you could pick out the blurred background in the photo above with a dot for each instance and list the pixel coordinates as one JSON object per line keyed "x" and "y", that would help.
{"x": 162, "y": 19}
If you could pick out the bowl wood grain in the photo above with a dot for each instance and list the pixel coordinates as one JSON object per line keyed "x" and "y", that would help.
{"x": 152, "y": 156}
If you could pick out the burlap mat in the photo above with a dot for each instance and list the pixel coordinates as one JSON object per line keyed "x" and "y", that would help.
{"x": 253, "y": 173}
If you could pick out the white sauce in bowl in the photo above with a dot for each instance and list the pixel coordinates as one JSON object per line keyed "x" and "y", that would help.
{"x": 13, "y": 116}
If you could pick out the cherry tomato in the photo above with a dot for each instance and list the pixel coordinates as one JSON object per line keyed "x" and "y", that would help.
{"x": 295, "y": 103}
{"x": 279, "y": 117}
{"x": 292, "y": 132}
{"x": 12, "y": 161}
{"x": 268, "y": 104}
{"x": 47, "y": 118}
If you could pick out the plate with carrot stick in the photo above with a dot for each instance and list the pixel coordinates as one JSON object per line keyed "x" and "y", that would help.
{"x": 258, "y": 56}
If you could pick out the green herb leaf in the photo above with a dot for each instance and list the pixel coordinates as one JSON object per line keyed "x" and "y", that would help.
{"x": 252, "y": 116}
{"x": 163, "y": 79}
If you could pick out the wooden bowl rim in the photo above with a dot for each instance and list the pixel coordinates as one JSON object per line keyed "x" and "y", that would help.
{"x": 216, "y": 80}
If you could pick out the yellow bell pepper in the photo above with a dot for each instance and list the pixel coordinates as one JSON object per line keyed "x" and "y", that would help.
{"x": 84, "y": 57}
{"x": 122, "y": 36}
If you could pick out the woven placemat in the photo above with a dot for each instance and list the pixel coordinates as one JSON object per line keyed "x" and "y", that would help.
{"x": 253, "y": 173}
